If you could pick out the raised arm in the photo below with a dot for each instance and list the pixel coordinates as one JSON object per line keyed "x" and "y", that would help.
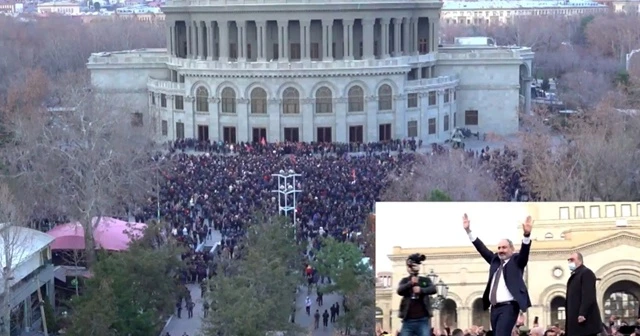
{"x": 485, "y": 253}
{"x": 525, "y": 248}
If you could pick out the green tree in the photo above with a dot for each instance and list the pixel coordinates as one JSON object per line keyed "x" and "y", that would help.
{"x": 250, "y": 294}
{"x": 352, "y": 278}
{"x": 439, "y": 196}
{"x": 146, "y": 291}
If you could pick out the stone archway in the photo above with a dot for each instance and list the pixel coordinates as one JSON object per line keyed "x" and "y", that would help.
{"x": 449, "y": 314}
{"x": 621, "y": 299}
{"x": 525, "y": 88}
{"x": 479, "y": 316}
{"x": 557, "y": 310}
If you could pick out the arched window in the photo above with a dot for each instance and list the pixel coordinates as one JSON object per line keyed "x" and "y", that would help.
{"x": 356, "y": 99}
{"x": 202, "y": 99}
{"x": 291, "y": 101}
{"x": 228, "y": 97}
{"x": 385, "y": 98}
{"x": 324, "y": 100}
{"x": 258, "y": 101}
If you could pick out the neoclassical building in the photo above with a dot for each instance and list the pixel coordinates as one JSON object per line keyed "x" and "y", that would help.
{"x": 608, "y": 234}
{"x": 311, "y": 70}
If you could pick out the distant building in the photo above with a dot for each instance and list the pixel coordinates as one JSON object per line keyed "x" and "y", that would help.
{"x": 31, "y": 269}
{"x": 308, "y": 70}
{"x": 504, "y": 12}
{"x": 59, "y": 7}
{"x": 10, "y": 6}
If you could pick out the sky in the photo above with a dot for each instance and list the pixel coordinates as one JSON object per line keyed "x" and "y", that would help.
{"x": 429, "y": 224}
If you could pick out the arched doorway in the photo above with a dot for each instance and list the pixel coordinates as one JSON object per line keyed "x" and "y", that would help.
{"x": 621, "y": 300}
{"x": 379, "y": 316}
{"x": 558, "y": 310}
{"x": 480, "y": 317}
{"x": 449, "y": 314}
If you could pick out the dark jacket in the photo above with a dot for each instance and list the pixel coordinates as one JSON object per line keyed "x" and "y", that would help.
{"x": 405, "y": 289}
{"x": 513, "y": 273}
{"x": 581, "y": 301}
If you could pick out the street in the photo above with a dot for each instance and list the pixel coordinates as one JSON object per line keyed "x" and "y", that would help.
{"x": 306, "y": 321}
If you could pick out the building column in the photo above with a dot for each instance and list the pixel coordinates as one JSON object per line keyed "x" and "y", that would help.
{"x": 189, "y": 40}
{"x": 347, "y": 39}
{"x": 406, "y": 35}
{"x": 435, "y": 34}
{"x": 260, "y": 37}
{"x": 242, "y": 40}
{"x": 368, "y": 38}
{"x": 527, "y": 94}
{"x": 305, "y": 44}
{"x": 285, "y": 41}
{"x": 223, "y": 29}
{"x": 327, "y": 40}
{"x": 210, "y": 40}
{"x": 384, "y": 30}
{"x": 414, "y": 36}
{"x": 198, "y": 38}
{"x": 282, "y": 35}
{"x": 169, "y": 38}
{"x": 397, "y": 37}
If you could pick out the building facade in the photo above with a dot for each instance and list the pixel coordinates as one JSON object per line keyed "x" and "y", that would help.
{"x": 608, "y": 235}
{"x": 349, "y": 71}
{"x": 507, "y": 12}
{"x": 61, "y": 7}
{"x": 31, "y": 271}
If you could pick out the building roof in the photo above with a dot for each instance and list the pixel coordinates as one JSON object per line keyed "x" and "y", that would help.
{"x": 476, "y": 5}
{"x": 58, "y": 4}
{"x": 22, "y": 243}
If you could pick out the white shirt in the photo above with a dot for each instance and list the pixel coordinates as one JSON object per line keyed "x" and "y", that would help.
{"x": 502, "y": 292}
{"x": 308, "y": 302}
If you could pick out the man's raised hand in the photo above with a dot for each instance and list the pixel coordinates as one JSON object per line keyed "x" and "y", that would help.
{"x": 466, "y": 223}
{"x": 527, "y": 226}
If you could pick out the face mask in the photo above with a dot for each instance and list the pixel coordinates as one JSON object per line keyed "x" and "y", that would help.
{"x": 572, "y": 266}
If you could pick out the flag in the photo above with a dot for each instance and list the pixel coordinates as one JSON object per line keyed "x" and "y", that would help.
{"x": 353, "y": 174}
{"x": 263, "y": 141}
{"x": 293, "y": 159}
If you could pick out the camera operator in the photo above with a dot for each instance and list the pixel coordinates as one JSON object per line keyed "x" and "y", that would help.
{"x": 415, "y": 307}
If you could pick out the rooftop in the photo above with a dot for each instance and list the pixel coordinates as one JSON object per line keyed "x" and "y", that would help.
{"x": 470, "y": 5}
{"x": 21, "y": 243}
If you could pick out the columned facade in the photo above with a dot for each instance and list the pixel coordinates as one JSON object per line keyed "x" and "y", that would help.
{"x": 316, "y": 38}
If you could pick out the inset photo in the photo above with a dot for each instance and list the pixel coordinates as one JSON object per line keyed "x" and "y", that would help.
{"x": 506, "y": 268}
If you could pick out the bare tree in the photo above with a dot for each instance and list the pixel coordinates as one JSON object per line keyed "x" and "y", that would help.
{"x": 596, "y": 158}
{"x": 583, "y": 89}
{"x": 17, "y": 245}
{"x": 87, "y": 161}
{"x": 461, "y": 178}
{"x": 614, "y": 34}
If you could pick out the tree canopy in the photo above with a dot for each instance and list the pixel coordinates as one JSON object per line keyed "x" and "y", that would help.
{"x": 129, "y": 293}
{"x": 250, "y": 294}
{"x": 352, "y": 278}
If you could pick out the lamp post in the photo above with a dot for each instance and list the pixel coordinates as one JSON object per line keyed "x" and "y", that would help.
{"x": 441, "y": 290}
{"x": 628, "y": 59}
{"x": 287, "y": 186}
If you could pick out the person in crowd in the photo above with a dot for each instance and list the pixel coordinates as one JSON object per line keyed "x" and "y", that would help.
{"x": 583, "y": 314}
{"x": 506, "y": 293}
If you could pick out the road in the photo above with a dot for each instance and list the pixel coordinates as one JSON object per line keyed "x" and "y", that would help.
{"x": 305, "y": 321}
{"x": 191, "y": 326}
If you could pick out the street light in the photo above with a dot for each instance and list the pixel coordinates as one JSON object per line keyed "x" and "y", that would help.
{"x": 287, "y": 185}
{"x": 442, "y": 290}
{"x": 628, "y": 58}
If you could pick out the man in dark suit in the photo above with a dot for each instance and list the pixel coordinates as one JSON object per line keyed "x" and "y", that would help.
{"x": 415, "y": 306}
{"x": 506, "y": 292}
{"x": 583, "y": 315}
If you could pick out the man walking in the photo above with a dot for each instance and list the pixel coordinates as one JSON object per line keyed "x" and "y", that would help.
{"x": 583, "y": 313}
{"x": 307, "y": 304}
{"x": 506, "y": 292}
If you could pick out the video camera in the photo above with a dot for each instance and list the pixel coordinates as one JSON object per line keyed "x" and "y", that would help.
{"x": 415, "y": 260}
{"x": 628, "y": 330}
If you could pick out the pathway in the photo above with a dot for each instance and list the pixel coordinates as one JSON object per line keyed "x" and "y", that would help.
{"x": 305, "y": 321}
{"x": 178, "y": 326}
